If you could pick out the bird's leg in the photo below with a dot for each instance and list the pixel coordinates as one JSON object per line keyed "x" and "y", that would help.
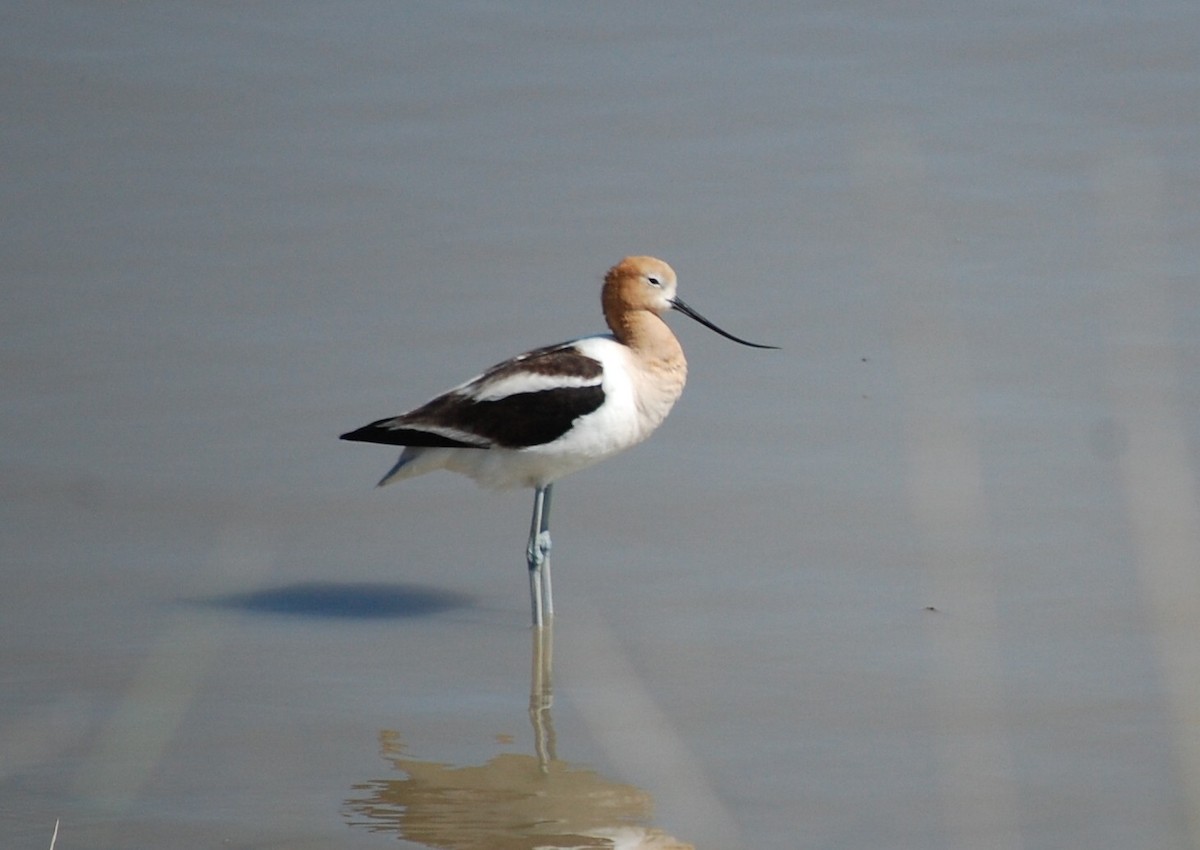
{"x": 537, "y": 554}
{"x": 544, "y": 547}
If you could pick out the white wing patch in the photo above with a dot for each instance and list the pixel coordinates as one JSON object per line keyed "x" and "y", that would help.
{"x": 527, "y": 382}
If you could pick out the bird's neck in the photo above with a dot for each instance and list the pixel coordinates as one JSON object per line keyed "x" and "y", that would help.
{"x": 648, "y": 336}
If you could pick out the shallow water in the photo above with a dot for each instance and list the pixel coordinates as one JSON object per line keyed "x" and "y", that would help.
{"x": 928, "y": 577}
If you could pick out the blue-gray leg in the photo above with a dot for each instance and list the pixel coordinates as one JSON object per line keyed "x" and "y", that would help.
{"x": 538, "y": 557}
{"x": 544, "y": 546}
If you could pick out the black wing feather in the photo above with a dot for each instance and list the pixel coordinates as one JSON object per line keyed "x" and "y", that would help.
{"x": 515, "y": 421}
{"x": 390, "y": 432}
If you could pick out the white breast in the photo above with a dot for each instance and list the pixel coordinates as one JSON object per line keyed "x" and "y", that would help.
{"x": 637, "y": 398}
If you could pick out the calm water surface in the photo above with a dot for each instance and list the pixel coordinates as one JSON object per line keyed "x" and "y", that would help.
{"x": 929, "y": 577}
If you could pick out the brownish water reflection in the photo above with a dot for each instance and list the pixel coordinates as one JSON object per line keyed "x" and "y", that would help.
{"x": 512, "y": 801}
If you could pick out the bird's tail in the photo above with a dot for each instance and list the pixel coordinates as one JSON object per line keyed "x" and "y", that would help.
{"x": 413, "y": 461}
{"x": 394, "y": 473}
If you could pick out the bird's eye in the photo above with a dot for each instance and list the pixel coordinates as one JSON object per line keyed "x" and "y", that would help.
{"x": 655, "y": 282}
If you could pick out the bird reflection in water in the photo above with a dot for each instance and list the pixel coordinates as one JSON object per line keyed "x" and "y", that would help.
{"x": 513, "y": 801}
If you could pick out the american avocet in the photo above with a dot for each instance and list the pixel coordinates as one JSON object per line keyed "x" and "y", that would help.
{"x": 531, "y": 420}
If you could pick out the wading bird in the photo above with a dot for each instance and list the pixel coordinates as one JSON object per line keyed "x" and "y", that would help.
{"x": 552, "y": 411}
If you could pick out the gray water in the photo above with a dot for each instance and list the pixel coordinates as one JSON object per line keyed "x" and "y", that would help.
{"x": 929, "y": 577}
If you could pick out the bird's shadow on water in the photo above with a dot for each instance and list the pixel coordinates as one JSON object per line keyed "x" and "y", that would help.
{"x": 344, "y": 600}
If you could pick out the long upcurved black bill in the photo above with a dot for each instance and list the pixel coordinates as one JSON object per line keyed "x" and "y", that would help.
{"x": 688, "y": 311}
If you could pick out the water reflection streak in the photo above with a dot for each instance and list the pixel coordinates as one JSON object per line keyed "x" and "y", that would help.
{"x": 513, "y": 801}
